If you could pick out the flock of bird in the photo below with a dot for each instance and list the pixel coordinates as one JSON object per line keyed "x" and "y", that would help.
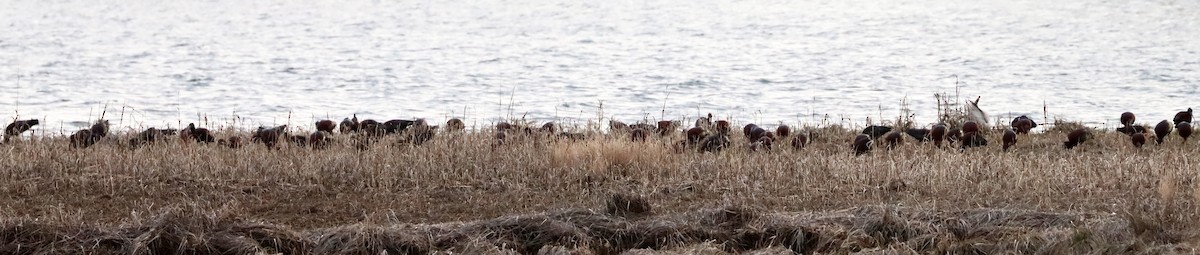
{"x": 705, "y": 136}
{"x": 970, "y": 135}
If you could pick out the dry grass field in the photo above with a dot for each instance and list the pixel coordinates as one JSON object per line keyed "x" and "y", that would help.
{"x": 462, "y": 193}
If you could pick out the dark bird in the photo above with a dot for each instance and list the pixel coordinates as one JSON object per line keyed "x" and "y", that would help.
{"x": 419, "y": 133}
{"x": 714, "y": 143}
{"x": 919, "y": 134}
{"x": 862, "y": 144}
{"x": 549, "y": 128}
{"x": 100, "y": 129}
{"x": 783, "y": 131}
{"x": 349, "y": 125}
{"x": 694, "y": 135}
{"x": 1010, "y": 139}
{"x": 799, "y": 141}
{"x": 269, "y": 136}
{"x": 326, "y": 125}
{"x": 970, "y": 126}
{"x": 151, "y": 135}
{"x": 747, "y": 128}
{"x": 371, "y": 127}
{"x": 1023, "y": 124}
{"x": 666, "y": 127}
{"x": 455, "y": 124}
{"x": 617, "y": 126}
{"x": 397, "y": 126}
{"x": 1130, "y": 130}
{"x": 17, "y": 127}
{"x": 705, "y": 122}
{"x": 763, "y": 143}
{"x": 503, "y": 127}
{"x": 1184, "y": 129}
{"x": 1077, "y": 137}
{"x": 1127, "y": 119}
{"x": 1138, "y": 139}
{"x": 87, "y": 137}
{"x": 876, "y": 131}
{"x": 1162, "y": 130}
{"x": 1184, "y": 116}
{"x": 756, "y": 133}
{"x": 893, "y": 139}
{"x": 83, "y": 139}
{"x": 639, "y": 134}
{"x": 938, "y": 133}
{"x": 723, "y": 127}
{"x": 154, "y": 134}
{"x": 196, "y": 135}
{"x": 717, "y": 141}
{"x": 973, "y": 139}
{"x": 647, "y": 127}
{"x": 953, "y": 135}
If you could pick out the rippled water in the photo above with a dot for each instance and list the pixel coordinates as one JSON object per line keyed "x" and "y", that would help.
{"x": 163, "y": 62}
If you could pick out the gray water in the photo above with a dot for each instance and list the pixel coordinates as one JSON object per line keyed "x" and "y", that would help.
{"x": 162, "y": 63}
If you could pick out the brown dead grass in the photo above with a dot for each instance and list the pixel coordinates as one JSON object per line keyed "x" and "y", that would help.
{"x": 460, "y": 194}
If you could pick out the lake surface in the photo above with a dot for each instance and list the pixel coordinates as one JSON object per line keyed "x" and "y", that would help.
{"x": 250, "y": 63}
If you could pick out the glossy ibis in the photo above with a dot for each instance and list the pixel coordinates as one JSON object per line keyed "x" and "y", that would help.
{"x": 862, "y": 144}
{"x": 876, "y": 131}
{"x": 938, "y": 133}
{"x": 17, "y": 127}
{"x": 783, "y": 131}
{"x": 1023, "y": 124}
{"x": 1184, "y": 129}
{"x": 455, "y": 124}
{"x": 1162, "y": 130}
{"x": 1010, "y": 139}
{"x": 1077, "y": 137}
{"x": 1138, "y": 139}
{"x": 893, "y": 139}
{"x": 1184, "y": 116}
{"x": 326, "y": 125}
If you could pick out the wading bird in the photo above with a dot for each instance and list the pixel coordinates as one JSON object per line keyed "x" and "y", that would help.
{"x": 326, "y": 125}
{"x": 196, "y": 135}
{"x": 1184, "y": 129}
{"x": 893, "y": 139}
{"x": 269, "y": 136}
{"x": 1138, "y": 139}
{"x": 320, "y": 139}
{"x": 1162, "y": 130}
{"x": 876, "y": 131}
{"x": 1077, "y": 137}
{"x": 783, "y": 131}
{"x": 939, "y": 134}
{"x": 717, "y": 141}
{"x": 862, "y": 144}
{"x": 455, "y": 124}
{"x": 1023, "y": 124}
{"x": 1184, "y": 116}
{"x": 799, "y": 141}
{"x": 349, "y": 125}
{"x": 1010, "y": 139}
{"x": 920, "y": 134}
{"x": 17, "y": 127}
